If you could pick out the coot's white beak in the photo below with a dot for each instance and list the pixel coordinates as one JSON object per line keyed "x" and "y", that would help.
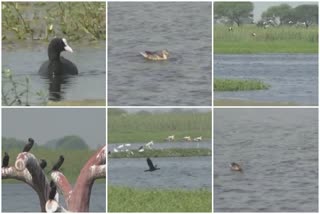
{"x": 67, "y": 47}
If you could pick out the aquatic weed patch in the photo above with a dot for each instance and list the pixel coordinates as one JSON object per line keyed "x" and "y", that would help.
{"x": 239, "y": 85}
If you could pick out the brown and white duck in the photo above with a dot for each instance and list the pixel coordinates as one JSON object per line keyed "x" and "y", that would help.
{"x": 157, "y": 55}
{"x": 235, "y": 167}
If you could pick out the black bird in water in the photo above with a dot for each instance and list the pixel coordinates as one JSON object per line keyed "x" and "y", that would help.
{"x": 43, "y": 163}
{"x": 53, "y": 190}
{"x": 29, "y": 145}
{"x": 5, "y": 160}
{"x": 58, "y": 164}
{"x": 151, "y": 166}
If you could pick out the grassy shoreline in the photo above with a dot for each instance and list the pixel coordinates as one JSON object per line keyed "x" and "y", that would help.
{"x": 145, "y": 126}
{"x": 174, "y": 152}
{"x": 271, "y": 40}
{"x": 125, "y": 199}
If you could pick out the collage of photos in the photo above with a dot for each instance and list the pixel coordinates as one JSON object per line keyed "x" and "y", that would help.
{"x": 160, "y": 106}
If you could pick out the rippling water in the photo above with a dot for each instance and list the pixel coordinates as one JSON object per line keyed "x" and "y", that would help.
{"x": 25, "y": 61}
{"x": 175, "y": 172}
{"x": 182, "y": 28}
{"x": 279, "y": 153}
{"x": 293, "y": 77}
{"x": 22, "y": 198}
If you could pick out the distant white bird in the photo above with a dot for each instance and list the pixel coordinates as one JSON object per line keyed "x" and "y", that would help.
{"x": 197, "y": 139}
{"x": 187, "y": 138}
{"x": 141, "y": 149}
{"x": 170, "y": 138}
{"x": 253, "y": 34}
{"x": 230, "y": 29}
{"x": 121, "y": 146}
{"x": 115, "y": 150}
{"x": 127, "y": 144}
{"x": 148, "y": 145}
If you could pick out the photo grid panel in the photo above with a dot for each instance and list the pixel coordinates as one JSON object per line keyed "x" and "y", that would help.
{"x": 53, "y": 112}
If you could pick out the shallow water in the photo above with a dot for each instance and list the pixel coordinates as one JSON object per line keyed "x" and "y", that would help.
{"x": 293, "y": 77}
{"x": 174, "y": 173}
{"x": 90, "y": 83}
{"x": 182, "y": 28}
{"x": 21, "y": 198}
{"x": 278, "y": 149}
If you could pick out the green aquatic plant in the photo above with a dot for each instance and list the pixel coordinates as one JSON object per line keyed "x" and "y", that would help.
{"x": 18, "y": 92}
{"x": 239, "y": 85}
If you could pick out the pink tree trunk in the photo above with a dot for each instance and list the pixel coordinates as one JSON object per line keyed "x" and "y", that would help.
{"x": 28, "y": 170}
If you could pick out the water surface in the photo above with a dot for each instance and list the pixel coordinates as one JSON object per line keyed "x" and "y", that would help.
{"x": 22, "y": 198}
{"x": 182, "y": 28}
{"x": 174, "y": 173}
{"x": 24, "y": 60}
{"x": 293, "y": 77}
{"x": 278, "y": 149}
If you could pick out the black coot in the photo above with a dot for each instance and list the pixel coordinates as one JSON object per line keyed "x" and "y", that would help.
{"x": 57, "y": 65}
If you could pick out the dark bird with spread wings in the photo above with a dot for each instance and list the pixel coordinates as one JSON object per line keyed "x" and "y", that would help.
{"x": 151, "y": 166}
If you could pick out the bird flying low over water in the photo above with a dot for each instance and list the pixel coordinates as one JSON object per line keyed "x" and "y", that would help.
{"x": 58, "y": 164}
{"x": 151, "y": 166}
{"x": 235, "y": 167}
{"x": 29, "y": 145}
{"x": 156, "y": 55}
{"x": 5, "y": 160}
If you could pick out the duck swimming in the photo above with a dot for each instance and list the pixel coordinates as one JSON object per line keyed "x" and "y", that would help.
{"x": 157, "y": 55}
{"x": 235, "y": 167}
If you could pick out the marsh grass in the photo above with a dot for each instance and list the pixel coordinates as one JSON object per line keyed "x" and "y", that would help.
{"x": 44, "y": 20}
{"x": 174, "y": 152}
{"x": 73, "y": 163}
{"x": 239, "y": 85}
{"x": 237, "y": 102}
{"x": 124, "y": 199}
{"x": 271, "y": 40}
{"x": 143, "y": 127}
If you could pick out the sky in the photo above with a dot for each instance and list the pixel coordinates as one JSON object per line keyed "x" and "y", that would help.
{"x": 47, "y": 124}
{"x": 260, "y": 7}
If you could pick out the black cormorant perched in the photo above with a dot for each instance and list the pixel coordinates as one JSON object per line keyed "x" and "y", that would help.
{"x": 53, "y": 190}
{"x": 29, "y": 145}
{"x": 151, "y": 166}
{"x": 5, "y": 160}
{"x": 43, "y": 163}
{"x": 58, "y": 164}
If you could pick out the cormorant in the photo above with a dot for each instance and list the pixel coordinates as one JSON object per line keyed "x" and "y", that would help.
{"x": 151, "y": 166}
{"x": 43, "y": 163}
{"x": 5, "y": 160}
{"x": 29, "y": 145}
{"x": 53, "y": 190}
{"x": 58, "y": 164}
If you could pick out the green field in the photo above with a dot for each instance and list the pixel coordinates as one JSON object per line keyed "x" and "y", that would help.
{"x": 124, "y": 199}
{"x": 174, "y": 152}
{"x": 271, "y": 40}
{"x": 144, "y": 127}
{"x": 239, "y": 85}
{"x": 73, "y": 160}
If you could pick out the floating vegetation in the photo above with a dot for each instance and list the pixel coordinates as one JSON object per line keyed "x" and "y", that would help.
{"x": 239, "y": 85}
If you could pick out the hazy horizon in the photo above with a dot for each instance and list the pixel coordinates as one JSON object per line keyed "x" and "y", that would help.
{"x": 48, "y": 124}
